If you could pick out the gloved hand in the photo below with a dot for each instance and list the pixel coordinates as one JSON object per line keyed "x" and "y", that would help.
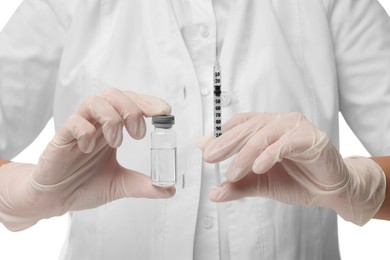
{"x": 78, "y": 169}
{"x": 286, "y": 158}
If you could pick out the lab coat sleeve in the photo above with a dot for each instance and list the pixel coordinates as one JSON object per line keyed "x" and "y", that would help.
{"x": 361, "y": 35}
{"x": 30, "y": 49}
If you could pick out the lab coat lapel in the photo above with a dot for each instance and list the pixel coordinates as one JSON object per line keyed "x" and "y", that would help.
{"x": 235, "y": 49}
{"x": 166, "y": 45}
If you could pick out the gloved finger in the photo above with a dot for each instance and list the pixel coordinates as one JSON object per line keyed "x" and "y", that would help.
{"x": 254, "y": 147}
{"x": 97, "y": 110}
{"x": 249, "y": 186}
{"x": 18, "y": 226}
{"x": 238, "y": 131}
{"x": 301, "y": 143}
{"x": 138, "y": 185}
{"x": 233, "y": 122}
{"x": 79, "y": 129}
{"x": 238, "y": 119}
{"x": 205, "y": 141}
{"x": 230, "y": 142}
{"x": 150, "y": 105}
{"x": 243, "y": 162}
{"x": 130, "y": 112}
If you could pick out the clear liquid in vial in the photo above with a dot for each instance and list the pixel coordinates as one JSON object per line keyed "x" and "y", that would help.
{"x": 163, "y": 166}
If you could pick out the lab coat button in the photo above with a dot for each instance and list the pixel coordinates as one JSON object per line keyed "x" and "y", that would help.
{"x": 208, "y": 222}
{"x": 204, "y": 30}
{"x": 204, "y": 92}
{"x": 226, "y": 99}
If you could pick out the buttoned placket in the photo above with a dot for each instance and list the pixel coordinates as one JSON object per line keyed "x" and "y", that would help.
{"x": 201, "y": 45}
{"x": 200, "y": 41}
{"x": 177, "y": 74}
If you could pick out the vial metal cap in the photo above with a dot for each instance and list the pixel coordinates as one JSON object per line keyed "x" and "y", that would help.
{"x": 163, "y": 121}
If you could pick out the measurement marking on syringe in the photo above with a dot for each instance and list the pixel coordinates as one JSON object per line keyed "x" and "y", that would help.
{"x": 217, "y": 101}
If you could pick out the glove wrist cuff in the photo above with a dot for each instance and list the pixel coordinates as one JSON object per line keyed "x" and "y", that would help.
{"x": 364, "y": 193}
{"x": 18, "y": 209}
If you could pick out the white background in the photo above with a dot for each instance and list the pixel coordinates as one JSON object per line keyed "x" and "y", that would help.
{"x": 44, "y": 240}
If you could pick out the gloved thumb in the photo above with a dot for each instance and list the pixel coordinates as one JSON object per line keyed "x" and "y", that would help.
{"x": 251, "y": 185}
{"x": 138, "y": 185}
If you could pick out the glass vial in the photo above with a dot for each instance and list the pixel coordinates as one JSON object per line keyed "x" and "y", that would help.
{"x": 163, "y": 151}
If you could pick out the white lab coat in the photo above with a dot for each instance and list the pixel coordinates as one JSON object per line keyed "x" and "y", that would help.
{"x": 318, "y": 57}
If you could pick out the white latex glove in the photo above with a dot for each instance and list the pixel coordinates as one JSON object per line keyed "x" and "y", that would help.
{"x": 286, "y": 158}
{"x": 78, "y": 169}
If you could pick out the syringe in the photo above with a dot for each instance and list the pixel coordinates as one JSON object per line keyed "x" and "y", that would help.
{"x": 217, "y": 100}
{"x": 217, "y": 110}
{"x": 221, "y": 209}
